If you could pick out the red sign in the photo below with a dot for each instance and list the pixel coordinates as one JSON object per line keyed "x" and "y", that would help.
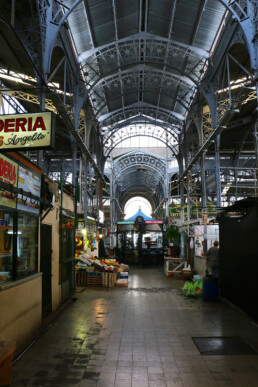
{"x": 8, "y": 174}
{"x": 7, "y": 171}
{"x": 153, "y": 222}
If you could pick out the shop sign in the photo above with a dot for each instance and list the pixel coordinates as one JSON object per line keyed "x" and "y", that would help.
{"x": 126, "y": 227}
{"x": 68, "y": 223}
{"x": 29, "y": 182}
{"x": 126, "y": 222}
{"x": 26, "y": 131}
{"x": 196, "y": 209}
{"x": 153, "y": 221}
{"x": 8, "y": 174}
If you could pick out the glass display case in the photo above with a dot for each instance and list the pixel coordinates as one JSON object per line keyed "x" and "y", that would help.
{"x": 6, "y": 245}
{"x": 27, "y": 245}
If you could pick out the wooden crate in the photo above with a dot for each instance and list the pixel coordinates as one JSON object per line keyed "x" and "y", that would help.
{"x": 81, "y": 278}
{"x": 112, "y": 280}
{"x": 6, "y": 357}
{"x": 94, "y": 279}
{"x": 105, "y": 279}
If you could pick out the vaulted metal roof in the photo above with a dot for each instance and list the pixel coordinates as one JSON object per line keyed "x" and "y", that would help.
{"x": 143, "y": 58}
{"x": 140, "y": 172}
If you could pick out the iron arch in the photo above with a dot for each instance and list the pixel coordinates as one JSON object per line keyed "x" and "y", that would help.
{"x": 141, "y": 135}
{"x": 161, "y": 114}
{"x": 105, "y": 103}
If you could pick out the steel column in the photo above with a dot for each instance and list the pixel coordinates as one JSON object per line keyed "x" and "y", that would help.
{"x": 181, "y": 168}
{"x": 202, "y": 162}
{"x": 85, "y": 204}
{"x": 217, "y": 170}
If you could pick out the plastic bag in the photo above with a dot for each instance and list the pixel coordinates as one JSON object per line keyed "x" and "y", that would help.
{"x": 198, "y": 287}
{"x": 185, "y": 287}
{"x": 191, "y": 292}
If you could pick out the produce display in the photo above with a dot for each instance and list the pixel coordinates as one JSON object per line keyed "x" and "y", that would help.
{"x": 90, "y": 264}
{"x": 84, "y": 261}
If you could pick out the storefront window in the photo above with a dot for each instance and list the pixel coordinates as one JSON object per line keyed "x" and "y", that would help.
{"x": 6, "y": 245}
{"x": 27, "y": 245}
{"x": 67, "y": 245}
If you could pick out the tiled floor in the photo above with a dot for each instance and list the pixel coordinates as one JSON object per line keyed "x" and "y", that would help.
{"x": 137, "y": 337}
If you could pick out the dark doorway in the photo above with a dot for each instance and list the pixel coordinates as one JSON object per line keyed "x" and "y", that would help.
{"x": 45, "y": 268}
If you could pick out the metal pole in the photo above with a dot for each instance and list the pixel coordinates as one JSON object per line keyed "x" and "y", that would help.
{"x": 204, "y": 198}
{"x": 42, "y": 100}
{"x": 80, "y": 175}
{"x": 217, "y": 170}
{"x": 167, "y": 194}
{"x": 61, "y": 213}
{"x": 75, "y": 228}
{"x": 13, "y": 13}
{"x": 111, "y": 208}
{"x": 203, "y": 156}
{"x": 182, "y": 238}
{"x": 85, "y": 204}
{"x": 256, "y": 153}
{"x": 97, "y": 200}
{"x": 74, "y": 161}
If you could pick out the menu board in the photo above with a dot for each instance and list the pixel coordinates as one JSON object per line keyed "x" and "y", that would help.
{"x": 29, "y": 182}
{"x": 8, "y": 174}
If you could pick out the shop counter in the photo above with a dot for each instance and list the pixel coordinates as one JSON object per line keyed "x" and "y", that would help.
{"x": 180, "y": 263}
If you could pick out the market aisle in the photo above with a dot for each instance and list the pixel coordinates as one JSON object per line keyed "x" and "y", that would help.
{"x": 137, "y": 337}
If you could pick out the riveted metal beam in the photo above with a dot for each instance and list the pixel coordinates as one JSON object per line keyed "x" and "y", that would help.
{"x": 144, "y": 36}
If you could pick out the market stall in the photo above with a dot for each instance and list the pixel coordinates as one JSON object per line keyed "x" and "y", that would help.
{"x": 140, "y": 240}
{"x": 91, "y": 271}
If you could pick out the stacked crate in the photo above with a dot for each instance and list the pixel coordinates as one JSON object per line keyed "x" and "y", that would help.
{"x": 81, "y": 278}
{"x": 94, "y": 279}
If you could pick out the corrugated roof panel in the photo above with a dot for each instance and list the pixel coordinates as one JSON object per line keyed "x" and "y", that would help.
{"x": 100, "y": 13}
{"x": 150, "y": 97}
{"x": 115, "y": 104}
{"x": 130, "y": 98}
{"x": 186, "y": 19}
{"x": 210, "y": 22}
{"x": 187, "y": 12}
{"x": 127, "y": 26}
{"x": 127, "y": 12}
{"x": 78, "y": 25}
{"x": 159, "y": 17}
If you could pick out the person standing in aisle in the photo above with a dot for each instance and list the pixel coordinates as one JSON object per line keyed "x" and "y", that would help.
{"x": 213, "y": 259}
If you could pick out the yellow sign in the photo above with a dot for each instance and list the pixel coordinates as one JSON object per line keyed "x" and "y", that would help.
{"x": 26, "y": 131}
{"x": 204, "y": 217}
{"x": 8, "y": 174}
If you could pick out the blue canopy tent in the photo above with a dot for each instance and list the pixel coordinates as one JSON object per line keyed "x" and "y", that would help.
{"x": 139, "y": 213}
{"x": 140, "y": 239}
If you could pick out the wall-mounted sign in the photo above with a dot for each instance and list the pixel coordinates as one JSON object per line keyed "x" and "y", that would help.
{"x": 126, "y": 222}
{"x": 26, "y": 131}
{"x": 29, "y": 182}
{"x": 8, "y": 174}
{"x": 204, "y": 217}
{"x": 153, "y": 221}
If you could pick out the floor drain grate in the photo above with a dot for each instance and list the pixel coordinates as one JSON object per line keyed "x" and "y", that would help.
{"x": 208, "y": 346}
